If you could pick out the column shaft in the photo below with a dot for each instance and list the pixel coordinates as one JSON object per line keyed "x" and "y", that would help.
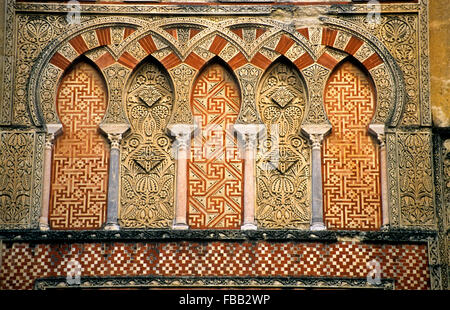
{"x": 249, "y": 187}
{"x": 43, "y": 220}
{"x": 113, "y": 191}
{"x": 182, "y": 134}
{"x": 316, "y": 183}
{"x": 112, "y": 213}
{"x": 181, "y": 188}
{"x": 384, "y": 187}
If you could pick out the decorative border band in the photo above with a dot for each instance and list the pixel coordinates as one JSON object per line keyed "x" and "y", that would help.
{"x": 212, "y": 282}
{"x": 392, "y": 236}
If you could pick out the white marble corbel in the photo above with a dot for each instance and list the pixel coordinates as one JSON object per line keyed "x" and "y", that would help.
{"x": 316, "y": 134}
{"x": 248, "y": 137}
{"x": 114, "y": 133}
{"x": 378, "y": 130}
{"x": 53, "y": 130}
{"x": 181, "y": 146}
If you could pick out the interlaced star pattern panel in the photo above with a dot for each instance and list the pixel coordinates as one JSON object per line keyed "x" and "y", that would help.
{"x": 283, "y": 158}
{"x": 147, "y": 166}
{"x": 80, "y": 158}
{"x": 351, "y": 171}
{"x": 215, "y": 170}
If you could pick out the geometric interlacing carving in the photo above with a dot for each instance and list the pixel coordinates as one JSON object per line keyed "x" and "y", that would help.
{"x": 80, "y": 158}
{"x": 147, "y": 166}
{"x": 283, "y": 158}
{"x": 215, "y": 169}
{"x": 350, "y": 159}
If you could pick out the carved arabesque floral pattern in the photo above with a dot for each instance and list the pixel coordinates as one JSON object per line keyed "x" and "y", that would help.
{"x": 283, "y": 159}
{"x": 147, "y": 165}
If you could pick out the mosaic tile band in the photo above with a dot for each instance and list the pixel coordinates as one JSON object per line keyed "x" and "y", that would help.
{"x": 405, "y": 263}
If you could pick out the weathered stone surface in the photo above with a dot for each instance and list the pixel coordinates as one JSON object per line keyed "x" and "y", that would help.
{"x": 440, "y": 70}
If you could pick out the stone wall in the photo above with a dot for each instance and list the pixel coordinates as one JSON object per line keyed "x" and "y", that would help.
{"x": 150, "y": 64}
{"x": 440, "y": 69}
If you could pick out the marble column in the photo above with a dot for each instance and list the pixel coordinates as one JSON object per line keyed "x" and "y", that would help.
{"x": 378, "y": 130}
{"x": 53, "y": 130}
{"x": 181, "y": 148}
{"x": 248, "y": 135}
{"x": 112, "y": 213}
{"x": 316, "y": 134}
{"x": 316, "y": 183}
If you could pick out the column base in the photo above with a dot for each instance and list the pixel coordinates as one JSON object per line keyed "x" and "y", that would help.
{"x": 112, "y": 226}
{"x": 249, "y": 226}
{"x": 384, "y": 227}
{"x": 44, "y": 227}
{"x": 180, "y": 226}
{"x": 317, "y": 226}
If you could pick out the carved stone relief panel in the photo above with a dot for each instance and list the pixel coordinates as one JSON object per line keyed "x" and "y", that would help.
{"x": 34, "y": 33}
{"x": 248, "y": 76}
{"x": 182, "y": 77}
{"x": 315, "y": 76}
{"x": 410, "y": 178}
{"x": 399, "y": 33}
{"x": 21, "y": 156}
{"x": 415, "y": 179}
{"x": 147, "y": 173}
{"x": 283, "y": 172}
{"x": 446, "y": 173}
{"x": 116, "y": 76}
{"x": 8, "y": 49}
{"x": 441, "y": 161}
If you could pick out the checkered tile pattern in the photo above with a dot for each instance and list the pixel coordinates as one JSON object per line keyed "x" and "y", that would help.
{"x": 23, "y": 263}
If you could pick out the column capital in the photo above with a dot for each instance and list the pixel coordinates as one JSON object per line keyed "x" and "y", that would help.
{"x": 181, "y": 130}
{"x": 248, "y": 134}
{"x": 53, "y": 130}
{"x": 382, "y": 139}
{"x": 316, "y": 133}
{"x": 49, "y": 139}
{"x": 316, "y": 140}
{"x": 114, "y": 139}
{"x": 182, "y": 134}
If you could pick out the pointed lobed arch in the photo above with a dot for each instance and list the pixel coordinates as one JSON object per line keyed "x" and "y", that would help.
{"x": 215, "y": 178}
{"x": 139, "y": 42}
{"x": 93, "y": 37}
{"x": 350, "y": 156}
{"x": 79, "y": 182}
